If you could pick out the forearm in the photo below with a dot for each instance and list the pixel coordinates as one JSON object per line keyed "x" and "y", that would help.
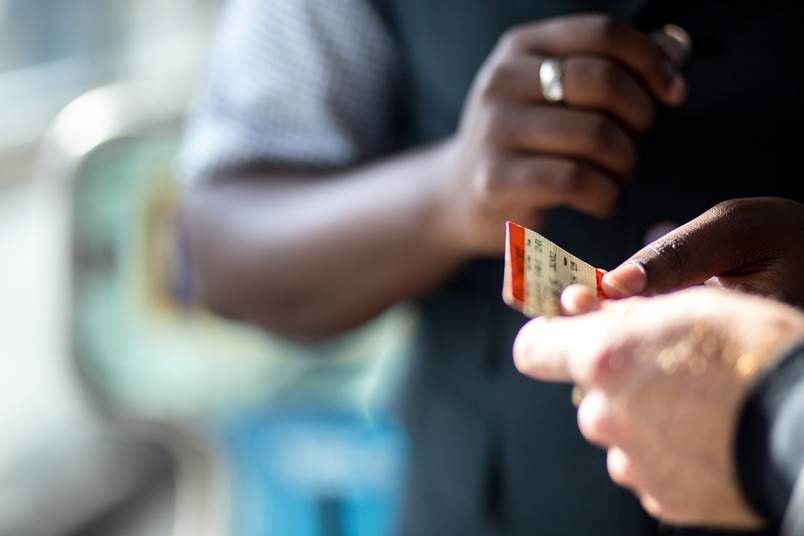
{"x": 311, "y": 255}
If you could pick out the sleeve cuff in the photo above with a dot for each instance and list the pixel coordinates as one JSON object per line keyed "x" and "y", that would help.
{"x": 770, "y": 436}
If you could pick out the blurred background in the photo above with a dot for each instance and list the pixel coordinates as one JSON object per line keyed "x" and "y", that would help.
{"x": 124, "y": 407}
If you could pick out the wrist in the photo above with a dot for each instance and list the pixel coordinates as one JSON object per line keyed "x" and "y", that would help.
{"x": 780, "y": 327}
{"x": 445, "y": 213}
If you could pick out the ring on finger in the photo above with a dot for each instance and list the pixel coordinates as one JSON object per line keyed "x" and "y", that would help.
{"x": 551, "y": 79}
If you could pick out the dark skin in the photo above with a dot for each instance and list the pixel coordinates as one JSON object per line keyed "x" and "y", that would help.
{"x": 754, "y": 244}
{"x": 310, "y": 255}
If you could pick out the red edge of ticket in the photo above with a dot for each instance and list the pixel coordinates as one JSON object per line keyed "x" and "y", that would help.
{"x": 537, "y": 271}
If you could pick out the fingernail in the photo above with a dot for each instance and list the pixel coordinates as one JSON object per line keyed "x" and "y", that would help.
{"x": 626, "y": 280}
{"x": 677, "y": 90}
{"x": 679, "y": 43}
{"x": 675, "y": 42}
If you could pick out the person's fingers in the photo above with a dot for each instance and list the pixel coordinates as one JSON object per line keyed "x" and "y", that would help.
{"x": 596, "y": 419}
{"x": 599, "y": 35}
{"x": 621, "y": 468}
{"x": 628, "y": 279}
{"x": 587, "y": 136}
{"x": 675, "y": 42}
{"x": 541, "y": 352}
{"x": 590, "y": 82}
{"x": 598, "y": 84}
{"x": 549, "y": 181}
{"x": 715, "y": 282}
{"x": 578, "y": 299}
{"x": 580, "y": 349}
{"x": 721, "y": 239}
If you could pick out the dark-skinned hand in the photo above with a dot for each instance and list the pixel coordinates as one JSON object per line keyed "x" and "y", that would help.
{"x": 516, "y": 154}
{"x": 755, "y": 245}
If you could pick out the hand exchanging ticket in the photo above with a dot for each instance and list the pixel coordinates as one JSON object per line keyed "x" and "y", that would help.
{"x": 537, "y": 271}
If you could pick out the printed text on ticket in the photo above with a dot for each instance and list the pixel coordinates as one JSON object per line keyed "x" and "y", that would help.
{"x": 537, "y": 271}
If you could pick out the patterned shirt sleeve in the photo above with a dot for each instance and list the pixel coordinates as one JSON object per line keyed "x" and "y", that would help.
{"x": 294, "y": 83}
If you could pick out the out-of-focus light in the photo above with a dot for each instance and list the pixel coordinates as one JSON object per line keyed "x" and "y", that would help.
{"x": 87, "y": 121}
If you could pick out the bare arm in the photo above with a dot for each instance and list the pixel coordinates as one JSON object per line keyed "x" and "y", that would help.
{"x": 312, "y": 255}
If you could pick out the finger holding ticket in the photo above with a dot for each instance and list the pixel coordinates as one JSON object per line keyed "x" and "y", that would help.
{"x": 578, "y": 299}
{"x": 537, "y": 271}
{"x": 754, "y": 245}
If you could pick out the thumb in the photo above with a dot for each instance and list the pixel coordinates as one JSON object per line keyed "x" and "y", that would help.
{"x": 543, "y": 346}
{"x": 713, "y": 243}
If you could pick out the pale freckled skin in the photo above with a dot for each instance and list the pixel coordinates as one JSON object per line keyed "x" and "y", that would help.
{"x": 681, "y": 366}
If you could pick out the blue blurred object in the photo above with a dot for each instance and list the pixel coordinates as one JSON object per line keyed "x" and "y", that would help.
{"x": 314, "y": 473}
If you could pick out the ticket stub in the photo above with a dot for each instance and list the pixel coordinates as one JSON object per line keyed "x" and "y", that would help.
{"x": 537, "y": 271}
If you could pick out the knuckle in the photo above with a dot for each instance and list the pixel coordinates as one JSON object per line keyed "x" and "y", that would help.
{"x": 614, "y": 86}
{"x": 731, "y": 207}
{"x": 524, "y": 174}
{"x": 648, "y": 116}
{"x": 608, "y": 196}
{"x": 654, "y": 66}
{"x": 484, "y": 80}
{"x": 662, "y": 509}
{"x": 496, "y": 79}
{"x": 488, "y": 183}
{"x": 572, "y": 178}
{"x": 609, "y": 78}
{"x": 595, "y": 422}
{"x": 606, "y": 139}
{"x": 484, "y": 178}
{"x": 673, "y": 252}
{"x": 512, "y": 39}
{"x": 496, "y": 130}
{"x": 602, "y": 133}
{"x": 599, "y": 371}
{"x": 604, "y": 28}
{"x": 732, "y": 211}
{"x": 620, "y": 468}
{"x": 754, "y": 223}
{"x": 657, "y": 71}
{"x": 653, "y": 507}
